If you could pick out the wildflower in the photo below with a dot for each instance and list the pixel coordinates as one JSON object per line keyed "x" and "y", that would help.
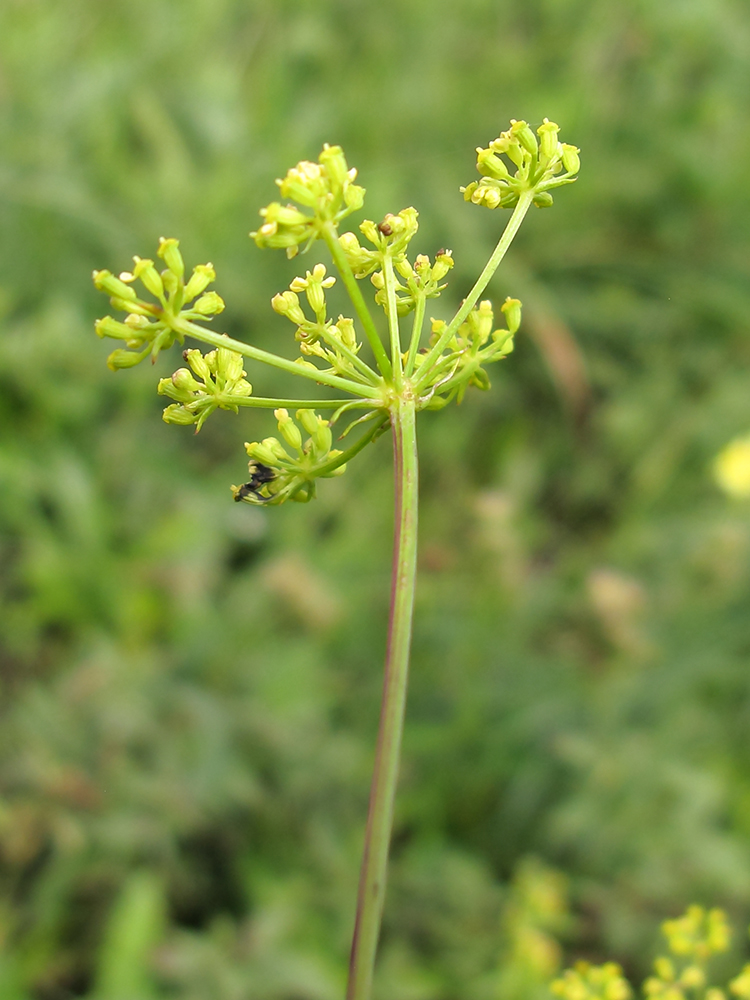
{"x": 732, "y": 467}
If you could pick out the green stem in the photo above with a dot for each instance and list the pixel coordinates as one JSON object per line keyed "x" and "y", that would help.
{"x": 395, "y": 335}
{"x": 348, "y": 455}
{"x": 514, "y": 223}
{"x": 350, "y": 283}
{"x": 385, "y": 776}
{"x": 221, "y": 340}
{"x": 416, "y": 334}
{"x": 353, "y": 358}
{"x": 301, "y": 404}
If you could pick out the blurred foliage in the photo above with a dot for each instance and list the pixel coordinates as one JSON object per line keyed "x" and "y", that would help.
{"x": 190, "y": 690}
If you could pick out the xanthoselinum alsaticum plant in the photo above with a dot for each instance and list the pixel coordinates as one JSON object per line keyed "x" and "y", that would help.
{"x": 385, "y": 386}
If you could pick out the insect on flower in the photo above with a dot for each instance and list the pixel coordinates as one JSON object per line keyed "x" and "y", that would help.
{"x": 261, "y": 475}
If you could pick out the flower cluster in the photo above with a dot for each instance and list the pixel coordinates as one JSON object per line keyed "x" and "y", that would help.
{"x": 326, "y": 189}
{"x": 541, "y": 164}
{"x": 391, "y": 236}
{"x": 316, "y": 197}
{"x": 421, "y": 280}
{"x": 150, "y": 327}
{"x": 592, "y": 982}
{"x": 473, "y": 345}
{"x": 671, "y": 984}
{"x": 340, "y": 347}
{"x": 698, "y": 934}
{"x": 217, "y": 381}
{"x": 693, "y": 940}
{"x": 276, "y": 475}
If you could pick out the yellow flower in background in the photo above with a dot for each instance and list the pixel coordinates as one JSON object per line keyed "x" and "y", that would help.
{"x": 732, "y": 467}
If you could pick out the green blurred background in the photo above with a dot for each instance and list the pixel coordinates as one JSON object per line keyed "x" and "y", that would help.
{"x": 190, "y": 689}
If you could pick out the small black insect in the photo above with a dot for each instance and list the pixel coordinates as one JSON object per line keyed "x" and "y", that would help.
{"x": 261, "y": 475}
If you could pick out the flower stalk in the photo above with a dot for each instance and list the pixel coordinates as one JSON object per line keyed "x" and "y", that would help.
{"x": 372, "y": 879}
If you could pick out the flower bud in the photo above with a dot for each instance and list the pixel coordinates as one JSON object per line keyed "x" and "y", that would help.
{"x": 511, "y": 309}
{"x": 183, "y": 379}
{"x": 349, "y": 243}
{"x": 308, "y": 419}
{"x": 489, "y": 164}
{"x": 547, "y": 133}
{"x": 503, "y": 340}
{"x": 145, "y": 270}
{"x": 123, "y": 359}
{"x": 334, "y": 163}
{"x": 177, "y": 414}
{"x": 105, "y": 281}
{"x": 515, "y": 153}
{"x": 135, "y": 322}
{"x": 310, "y": 347}
{"x": 201, "y": 278}
{"x": 276, "y": 448}
{"x": 284, "y": 215}
{"x": 481, "y": 320}
{"x": 289, "y": 430}
{"x": 345, "y": 328}
{"x": 543, "y": 199}
{"x": 354, "y": 197}
{"x": 209, "y": 304}
{"x": 525, "y": 136}
{"x": 319, "y": 274}
{"x": 316, "y": 297}
{"x": 170, "y": 254}
{"x": 443, "y": 264}
{"x": 303, "y": 184}
{"x": 171, "y": 282}
{"x": 287, "y": 304}
{"x": 370, "y": 231}
{"x": 229, "y": 365}
{"x": 198, "y": 363}
{"x": 571, "y": 159}
{"x": 404, "y": 268}
{"x": 109, "y": 327}
{"x": 322, "y": 436}
{"x": 490, "y": 197}
{"x": 260, "y": 452}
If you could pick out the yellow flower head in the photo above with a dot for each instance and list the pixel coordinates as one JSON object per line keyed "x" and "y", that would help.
{"x": 732, "y": 467}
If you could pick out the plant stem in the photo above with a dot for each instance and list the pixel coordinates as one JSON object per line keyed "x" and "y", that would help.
{"x": 385, "y": 776}
{"x": 351, "y": 356}
{"x": 416, "y": 333}
{"x": 221, "y": 340}
{"x": 301, "y": 404}
{"x": 393, "y": 328}
{"x": 354, "y": 449}
{"x": 514, "y": 224}
{"x": 350, "y": 283}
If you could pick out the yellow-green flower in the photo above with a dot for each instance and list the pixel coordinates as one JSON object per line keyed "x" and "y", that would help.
{"x": 732, "y": 467}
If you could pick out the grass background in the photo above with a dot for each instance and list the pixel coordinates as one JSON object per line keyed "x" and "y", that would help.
{"x": 190, "y": 690}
